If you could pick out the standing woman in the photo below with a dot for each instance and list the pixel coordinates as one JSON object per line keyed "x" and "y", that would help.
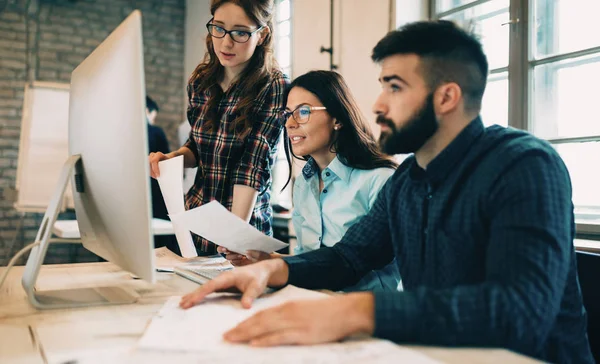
{"x": 236, "y": 96}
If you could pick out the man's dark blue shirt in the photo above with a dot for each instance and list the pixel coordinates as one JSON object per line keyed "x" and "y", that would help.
{"x": 484, "y": 243}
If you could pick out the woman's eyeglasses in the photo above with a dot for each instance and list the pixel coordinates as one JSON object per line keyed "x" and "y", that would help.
{"x": 301, "y": 114}
{"x": 238, "y": 36}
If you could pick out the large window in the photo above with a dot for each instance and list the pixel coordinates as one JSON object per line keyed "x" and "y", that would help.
{"x": 283, "y": 53}
{"x": 544, "y": 60}
{"x": 283, "y": 35}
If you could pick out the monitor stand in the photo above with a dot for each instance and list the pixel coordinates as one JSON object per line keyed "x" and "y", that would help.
{"x": 65, "y": 298}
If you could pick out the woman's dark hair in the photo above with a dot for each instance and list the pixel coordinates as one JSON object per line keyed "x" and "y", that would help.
{"x": 354, "y": 142}
{"x": 255, "y": 78}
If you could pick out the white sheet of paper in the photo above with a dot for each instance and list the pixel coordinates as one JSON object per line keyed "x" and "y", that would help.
{"x": 217, "y": 224}
{"x": 171, "y": 187}
{"x": 199, "y": 330}
{"x": 184, "y": 240}
{"x": 167, "y": 260}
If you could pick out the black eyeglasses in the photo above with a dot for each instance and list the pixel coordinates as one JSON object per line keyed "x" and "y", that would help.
{"x": 301, "y": 114}
{"x": 238, "y": 36}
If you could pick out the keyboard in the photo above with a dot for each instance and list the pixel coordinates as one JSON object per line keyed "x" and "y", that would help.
{"x": 200, "y": 274}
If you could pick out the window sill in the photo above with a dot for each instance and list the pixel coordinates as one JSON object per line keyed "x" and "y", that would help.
{"x": 590, "y": 246}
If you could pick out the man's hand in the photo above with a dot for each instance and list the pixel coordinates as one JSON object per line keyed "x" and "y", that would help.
{"x": 251, "y": 281}
{"x": 308, "y": 322}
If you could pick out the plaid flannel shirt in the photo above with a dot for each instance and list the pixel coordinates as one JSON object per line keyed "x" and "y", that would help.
{"x": 225, "y": 160}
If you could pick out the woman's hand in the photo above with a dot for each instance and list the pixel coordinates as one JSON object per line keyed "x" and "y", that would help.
{"x": 257, "y": 256}
{"x": 236, "y": 259}
{"x": 153, "y": 159}
{"x": 252, "y": 256}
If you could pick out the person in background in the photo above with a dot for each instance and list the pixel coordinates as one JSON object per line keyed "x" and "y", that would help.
{"x": 157, "y": 142}
{"x": 343, "y": 174}
{"x": 236, "y": 96}
{"x": 479, "y": 219}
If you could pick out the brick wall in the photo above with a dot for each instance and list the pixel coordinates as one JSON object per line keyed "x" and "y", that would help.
{"x": 44, "y": 40}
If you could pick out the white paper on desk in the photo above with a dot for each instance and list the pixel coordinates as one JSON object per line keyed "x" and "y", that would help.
{"x": 215, "y": 223}
{"x": 197, "y": 333}
{"x": 202, "y": 327}
{"x": 167, "y": 260}
{"x": 171, "y": 187}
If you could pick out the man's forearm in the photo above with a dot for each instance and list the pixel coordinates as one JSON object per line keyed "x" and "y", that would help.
{"x": 321, "y": 269}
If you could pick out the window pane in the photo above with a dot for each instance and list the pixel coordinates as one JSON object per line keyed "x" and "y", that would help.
{"x": 283, "y": 10}
{"x": 283, "y": 29}
{"x": 494, "y": 107}
{"x": 445, "y": 5}
{"x": 486, "y": 22}
{"x": 284, "y": 51}
{"x": 564, "y": 100}
{"x": 563, "y": 26}
{"x": 580, "y": 159}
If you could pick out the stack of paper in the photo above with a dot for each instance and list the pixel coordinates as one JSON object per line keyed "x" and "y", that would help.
{"x": 211, "y": 221}
{"x": 167, "y": 261}
{"x": 198, "y": 333}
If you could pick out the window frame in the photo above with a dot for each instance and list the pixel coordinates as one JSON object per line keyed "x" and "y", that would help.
{"x": 277, "y": 23}
{"x": 521, "y": 68}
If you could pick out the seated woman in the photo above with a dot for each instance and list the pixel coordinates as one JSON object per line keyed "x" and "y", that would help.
{"x": 343, "y": 174}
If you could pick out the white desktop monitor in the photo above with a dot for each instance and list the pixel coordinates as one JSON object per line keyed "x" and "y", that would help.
{"x": 109, "y": 164}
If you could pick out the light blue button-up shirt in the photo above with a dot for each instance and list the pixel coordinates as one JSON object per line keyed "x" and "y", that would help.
{"x": 321, "y": 219}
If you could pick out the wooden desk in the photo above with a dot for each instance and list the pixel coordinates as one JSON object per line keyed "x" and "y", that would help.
{"x": 106, "y": 333}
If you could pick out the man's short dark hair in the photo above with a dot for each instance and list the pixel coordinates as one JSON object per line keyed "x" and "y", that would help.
{"x": 151, "y": 105}
{"x": 447, "y": 53}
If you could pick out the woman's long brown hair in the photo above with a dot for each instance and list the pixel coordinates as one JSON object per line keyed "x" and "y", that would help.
{"x": 354, "y": 143}
{"x": 251, "y": 83}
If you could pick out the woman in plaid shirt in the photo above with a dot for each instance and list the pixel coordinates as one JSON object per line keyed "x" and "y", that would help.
{"x": 236, "y": 96}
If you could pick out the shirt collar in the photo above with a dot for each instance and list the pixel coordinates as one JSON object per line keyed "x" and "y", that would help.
{"x": 336, "y": 167}
{"x": 441, "y": 165}
{"x": 310, "y": 168}
{"x": 339, "y": 169}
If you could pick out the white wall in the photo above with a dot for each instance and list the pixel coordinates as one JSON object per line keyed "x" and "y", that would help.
{"x": 361, "y": 25}
{"x": 196, "y": 16}
{"x": 358, "y": 26}
{"x": 407, "y": 11}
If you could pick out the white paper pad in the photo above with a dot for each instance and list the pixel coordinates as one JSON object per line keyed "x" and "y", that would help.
{"x": 171, "y": 187}
{"x": 217, "y": 224}
{"x": 197, "y": 332}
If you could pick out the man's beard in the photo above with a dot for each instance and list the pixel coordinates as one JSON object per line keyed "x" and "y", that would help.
{"x": 413, "y": 135}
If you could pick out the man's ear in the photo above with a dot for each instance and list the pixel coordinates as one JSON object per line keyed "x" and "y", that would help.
{"x": 448, "y": 97}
